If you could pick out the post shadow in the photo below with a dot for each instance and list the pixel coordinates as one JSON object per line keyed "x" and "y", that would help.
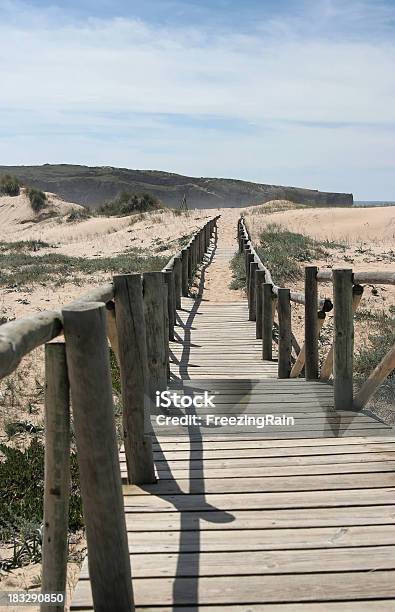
{"x": 187, "y": 326}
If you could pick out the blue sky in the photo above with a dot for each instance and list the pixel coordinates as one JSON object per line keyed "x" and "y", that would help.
{"x": 284, "y": 92}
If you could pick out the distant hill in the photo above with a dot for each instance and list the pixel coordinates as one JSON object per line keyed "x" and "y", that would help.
{"x": 93, "y": 186}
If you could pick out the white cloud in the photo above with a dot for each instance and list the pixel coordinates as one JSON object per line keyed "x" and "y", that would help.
{"x": 284, "y": 77}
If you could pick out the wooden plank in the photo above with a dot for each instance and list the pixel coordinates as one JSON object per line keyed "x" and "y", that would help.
{"x": 245, "y": 471}
{"x": 208, "y": 454}
{"x": 265, "y": 462}
{"x": 350, "y": 443}
{"x": 258, "y": 589}
{"x": 284, "y": 431}
{"x": 266, "y": 484}
{"x": 381, "y": 605}
{"x": 232, "y": 501}
{"x": 260, "y": 563}
{"x": 263, "y": 519}
{"x": 261, "y": 539}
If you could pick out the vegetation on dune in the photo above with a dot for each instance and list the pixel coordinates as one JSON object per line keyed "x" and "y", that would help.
{"x": 237, "y": 265}
{"x": 380, "y": 342}
{"x": 24, "y": 245}
{"x": 78, "y": 215}
{"x": 38, "y": 199}
{"x": 18, "y": 266}
{"x": 282, "y": 252}
{"x": 130, "y": 203}
{"x": 22, "y": 498}
{"x": 368, "y": 356}
{"x": 9, "y": 185}
{"x": 22, "y": 488}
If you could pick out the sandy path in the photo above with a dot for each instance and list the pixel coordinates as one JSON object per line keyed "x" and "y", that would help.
{"x": 218, "y": 275}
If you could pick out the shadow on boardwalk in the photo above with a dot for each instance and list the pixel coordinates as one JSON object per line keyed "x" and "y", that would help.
{"x": 188, "y": 556}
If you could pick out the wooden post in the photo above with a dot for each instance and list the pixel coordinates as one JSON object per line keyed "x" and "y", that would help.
{"x": 194, "y": 254}
{"x": 343, "y": 339}
{"x": 100, "y": 475}
{"x": 168, "y": 277}
{"x": 57, "y": 472}
{"x": 274, "y": 306}
{"x": 206, "y": 236}
{"x": 259, "y": 280}
{"x": 203, "y": 242}
{"x": 200, "y": 246}
{"x": 284, "y": 336}
{"x": 249, "y": 260}
{"x": 379, "y": 374}
{"x": 300, "y": 360}
{"x": 310, "y": 323}
{"x": 190, "y": 259}
{"x": 133, "y": 366}
{"x": 247, "y": 252}
{"x": 327, "y": 365}
{"x": 184, "y": 272}
{"x": 165, "y": 293}
{"x": 267, "y": 321}
{"x": 178, "y": 280}
{"x": 155, "y": 332}
{"x": 191, "y": 262}
{"x": 251, "y": 292}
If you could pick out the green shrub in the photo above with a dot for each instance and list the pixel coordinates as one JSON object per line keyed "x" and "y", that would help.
{"x": 78, "y": 215}
{"x": 38, "y": 199}
{"x": 282, "y": 251}
{"x": 237, "y": 265}
{"x": 9, "y": 185}
{"x": 115, "y": 373}
{"x": 380, "y": 341}
{"x": 130, "y": 203}
{"x": 22, "y": 489}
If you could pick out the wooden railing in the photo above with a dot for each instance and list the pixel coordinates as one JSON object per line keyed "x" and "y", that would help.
{"x": 136, "y": 313}
{"x": 265, "y": 297}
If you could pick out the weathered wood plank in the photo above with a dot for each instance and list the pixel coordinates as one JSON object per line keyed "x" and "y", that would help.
{"x": 259, "y": 589}
{"x": 207, "y": 452}
{"x": 246, "y": 471}
{"x": 260, "y": 563}
{"x": 231, "y": 501}
{"x": 268, "y": 484}
{"x": 263, "y": 519}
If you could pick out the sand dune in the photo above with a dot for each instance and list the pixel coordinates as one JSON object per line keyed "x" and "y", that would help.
{"x": 350, "y": 224}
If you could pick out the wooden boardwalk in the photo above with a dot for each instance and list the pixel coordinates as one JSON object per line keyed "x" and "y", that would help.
{"x": 290, "y": 518}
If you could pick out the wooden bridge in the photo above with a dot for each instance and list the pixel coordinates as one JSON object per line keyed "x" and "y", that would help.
{"x": 297, "y": 514}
